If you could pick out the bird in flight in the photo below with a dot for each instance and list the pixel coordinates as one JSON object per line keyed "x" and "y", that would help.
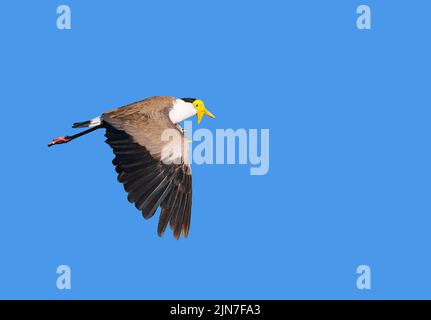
{"x": 151, "y": 155}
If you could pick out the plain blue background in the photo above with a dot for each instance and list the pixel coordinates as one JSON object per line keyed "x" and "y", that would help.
{"x": 349, "y": 180}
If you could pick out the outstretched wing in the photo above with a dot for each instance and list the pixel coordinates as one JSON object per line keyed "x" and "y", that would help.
{"x": 153, "y": 170}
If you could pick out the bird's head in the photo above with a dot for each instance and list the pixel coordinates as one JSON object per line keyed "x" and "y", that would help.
{"x": 199, "y": 107}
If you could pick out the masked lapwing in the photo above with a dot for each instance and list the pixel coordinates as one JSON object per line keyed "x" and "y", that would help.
{"x": 151, "y": 155}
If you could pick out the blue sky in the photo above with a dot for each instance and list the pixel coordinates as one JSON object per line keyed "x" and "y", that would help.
{"x": 349, "y": 179}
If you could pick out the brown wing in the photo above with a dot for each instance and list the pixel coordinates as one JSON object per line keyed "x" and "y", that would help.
{"x": 149, "y": 179}
{"x": 147, "y": 105}
{"x": 149, "y": 125}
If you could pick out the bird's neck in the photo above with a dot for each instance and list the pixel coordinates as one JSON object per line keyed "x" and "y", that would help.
{"x": 181, "y": 110}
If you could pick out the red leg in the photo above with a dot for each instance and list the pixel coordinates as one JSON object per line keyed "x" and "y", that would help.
{"x": 59, "y": 140}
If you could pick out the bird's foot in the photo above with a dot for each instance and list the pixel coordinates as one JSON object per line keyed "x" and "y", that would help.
{"x": 59, "y": 140}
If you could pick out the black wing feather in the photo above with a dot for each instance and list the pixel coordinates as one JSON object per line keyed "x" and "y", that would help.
{"x": 151, "y": 184}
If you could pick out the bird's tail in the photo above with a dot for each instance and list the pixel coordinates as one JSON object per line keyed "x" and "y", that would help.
{"x": 89, "y": 123}
{"x": 93, "y": 124}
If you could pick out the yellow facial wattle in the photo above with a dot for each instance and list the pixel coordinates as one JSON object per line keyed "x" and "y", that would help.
{"x": 201, "y": 110}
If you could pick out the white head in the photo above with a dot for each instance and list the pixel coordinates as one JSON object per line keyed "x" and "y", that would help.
{"x": 186, "y": 107}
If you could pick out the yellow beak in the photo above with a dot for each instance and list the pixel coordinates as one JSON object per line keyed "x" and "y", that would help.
{"x": 201, "y": 110}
